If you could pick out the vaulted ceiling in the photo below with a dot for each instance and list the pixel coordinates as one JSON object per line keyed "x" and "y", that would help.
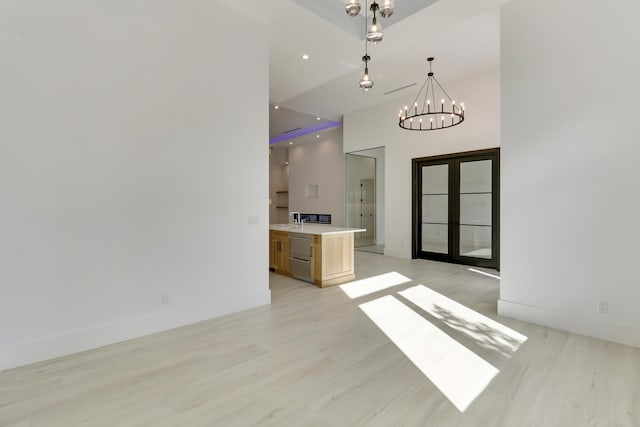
{"x": 463, "y": 36}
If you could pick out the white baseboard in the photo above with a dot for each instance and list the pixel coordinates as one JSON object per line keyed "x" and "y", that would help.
{"x": 23, "y": 353}
{"x": 583, "y": 325}
{"x": 397, "y": 252}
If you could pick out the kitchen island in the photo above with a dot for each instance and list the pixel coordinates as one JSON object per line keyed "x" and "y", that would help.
{"x": 318, "y": 253}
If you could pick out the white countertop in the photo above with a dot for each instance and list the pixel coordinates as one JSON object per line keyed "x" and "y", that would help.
{"x": 314, "y": 228}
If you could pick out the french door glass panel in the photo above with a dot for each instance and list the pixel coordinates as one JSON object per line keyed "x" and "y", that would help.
{"x": 475, "y": 176}
{"x": 475, "y": 241}
{"x": 475, "y": 209}
{"x": 435, "y": 179}
{"x": 435, "y": 238}
{"x": 435, "y": 208}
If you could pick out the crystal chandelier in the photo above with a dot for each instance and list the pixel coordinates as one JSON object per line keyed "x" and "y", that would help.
{"x": 425, "y": 114}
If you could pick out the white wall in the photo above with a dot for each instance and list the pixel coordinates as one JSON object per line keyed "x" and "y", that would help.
{"x": 318, "y": 163}
{"x": 570, "y": 205}
{"x": 378, "y": 126}
{"x": 121, "y": 176}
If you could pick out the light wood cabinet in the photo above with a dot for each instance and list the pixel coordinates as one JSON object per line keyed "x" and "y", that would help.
{"x": 279, "y": 251}
{"x": 332, "y": 259}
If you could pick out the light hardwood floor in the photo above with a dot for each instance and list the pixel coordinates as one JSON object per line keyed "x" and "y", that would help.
{"x": 314, "y": 358}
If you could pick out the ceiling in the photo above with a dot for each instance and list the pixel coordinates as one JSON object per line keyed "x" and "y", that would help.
{"x": 463, "y": 36}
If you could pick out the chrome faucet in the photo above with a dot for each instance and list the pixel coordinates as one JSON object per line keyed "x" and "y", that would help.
{"x": 296, "y": 217}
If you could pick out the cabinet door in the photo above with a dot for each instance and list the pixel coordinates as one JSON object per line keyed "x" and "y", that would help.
{"x": 274, "y": 251}
{"x": 279, "y": 251}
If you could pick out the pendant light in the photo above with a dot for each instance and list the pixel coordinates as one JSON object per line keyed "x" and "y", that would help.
{"x": 352, "y": 7}
{"x": 365, "y": 81}
{"x": 374, "y": 34}
{"x": 387, "y": 8}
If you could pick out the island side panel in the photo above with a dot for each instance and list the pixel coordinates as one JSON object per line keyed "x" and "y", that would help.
{"x": 337, "y": 259}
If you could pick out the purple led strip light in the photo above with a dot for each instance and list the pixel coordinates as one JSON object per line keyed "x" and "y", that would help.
{"x": 305, "y": 131}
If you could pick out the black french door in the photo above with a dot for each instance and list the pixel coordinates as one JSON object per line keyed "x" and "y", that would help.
{"x": 456, "y": 208}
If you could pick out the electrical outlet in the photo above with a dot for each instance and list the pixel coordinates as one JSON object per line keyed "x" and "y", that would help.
{"x": 253, "y": 220}
{"x": 165, "y": 299}
{"x": 603, "y": 307}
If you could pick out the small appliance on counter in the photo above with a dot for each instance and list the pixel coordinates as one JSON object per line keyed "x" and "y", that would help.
{"x": 316, "y": 218}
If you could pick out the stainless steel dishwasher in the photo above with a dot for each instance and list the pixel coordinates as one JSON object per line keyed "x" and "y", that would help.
{"x": 300, "y": 256}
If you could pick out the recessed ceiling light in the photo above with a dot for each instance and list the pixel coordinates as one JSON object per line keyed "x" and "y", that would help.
{"x": 317, "y": 118}
{"x": 318, "y": 136}
{"x": 276, "y": 107}
{"x": 305, "y": 56}
{"x": 290, "y": 142}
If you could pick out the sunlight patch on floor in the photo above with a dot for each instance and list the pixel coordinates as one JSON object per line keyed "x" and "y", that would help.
{"x": 484, "y": 273}
{"x": 456, "y": 371}
{"x": 484, "y": 331}
{"x": 373, "y": 284}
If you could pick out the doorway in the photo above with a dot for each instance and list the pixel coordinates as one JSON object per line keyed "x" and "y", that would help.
{"x": 368, "y": 210}
{"x": 456, "y": 208}
{"x": 365, "y": 198}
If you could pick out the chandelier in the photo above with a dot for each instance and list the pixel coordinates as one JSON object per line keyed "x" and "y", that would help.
{"x": 425, "y": 114}
{"x": 373, "y": 33}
